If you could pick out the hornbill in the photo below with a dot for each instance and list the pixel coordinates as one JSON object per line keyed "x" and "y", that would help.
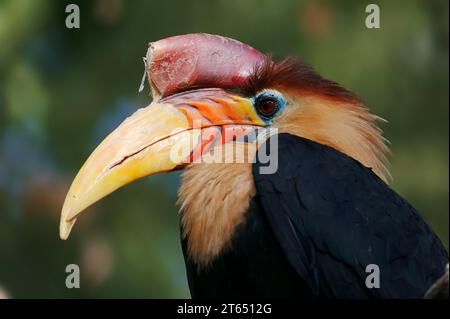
{"x": 310, "y": 226}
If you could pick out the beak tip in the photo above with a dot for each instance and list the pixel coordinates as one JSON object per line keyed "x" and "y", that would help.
{"x": 65, "y": 227}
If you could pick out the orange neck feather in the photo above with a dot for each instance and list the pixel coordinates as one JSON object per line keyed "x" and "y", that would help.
{"x": 347, "y": 127}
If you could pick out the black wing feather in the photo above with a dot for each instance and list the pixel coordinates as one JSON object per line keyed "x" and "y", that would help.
{"x": 333, "y": 217}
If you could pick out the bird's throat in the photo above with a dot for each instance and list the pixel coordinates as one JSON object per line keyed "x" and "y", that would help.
{"x": 214, "y": 198}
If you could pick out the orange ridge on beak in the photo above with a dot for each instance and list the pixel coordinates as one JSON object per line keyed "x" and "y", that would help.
{"x": 144, "y": 144}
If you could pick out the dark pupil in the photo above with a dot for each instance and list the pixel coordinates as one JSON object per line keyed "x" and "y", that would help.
{"x": 268, "y": 106}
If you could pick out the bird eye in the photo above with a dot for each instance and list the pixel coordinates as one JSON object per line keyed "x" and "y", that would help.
{"x": 268, "y": 103}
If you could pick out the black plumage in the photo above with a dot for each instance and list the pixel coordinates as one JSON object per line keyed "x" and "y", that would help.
{"x": 253, "y": 266}
{"x": 312, "y": 229}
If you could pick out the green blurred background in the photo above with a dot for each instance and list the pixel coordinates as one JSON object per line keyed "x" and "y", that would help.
{"x": 62, "y": 91}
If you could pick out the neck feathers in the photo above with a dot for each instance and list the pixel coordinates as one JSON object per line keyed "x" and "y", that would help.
{"x": 214, "y": 199}
{"x": 346, "y": 126}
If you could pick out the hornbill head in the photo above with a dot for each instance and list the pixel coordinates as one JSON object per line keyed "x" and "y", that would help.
{"x": 210, "y": 91}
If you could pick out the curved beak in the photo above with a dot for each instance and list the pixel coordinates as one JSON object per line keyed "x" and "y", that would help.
{"x": 161, "y": 137}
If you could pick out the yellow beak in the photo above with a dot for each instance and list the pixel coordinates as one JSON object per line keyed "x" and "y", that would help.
{"x": 158, "y": 138}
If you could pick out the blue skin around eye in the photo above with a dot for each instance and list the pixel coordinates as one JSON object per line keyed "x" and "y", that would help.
{"x": 271, "y": 94}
